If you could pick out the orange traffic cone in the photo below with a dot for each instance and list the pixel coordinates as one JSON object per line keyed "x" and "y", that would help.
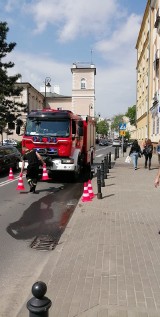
{"x": 20, "y": 185}
{"x": 90, "y": 189}
{"x": 45, "y": 174}
{"x": 10, "y": 176}
{"x": 85, "y": 196}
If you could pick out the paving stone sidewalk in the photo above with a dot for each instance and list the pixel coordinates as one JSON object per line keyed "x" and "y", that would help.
{"x": 107, "y": 262}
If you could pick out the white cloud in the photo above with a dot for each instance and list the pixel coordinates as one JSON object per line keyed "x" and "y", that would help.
{"x": 115, "y": 90}
{"x": 113, "y": 33}
{"x": 122, "y": 42}
{"x": 34, "y": 69}
{"x": 73, "y": 17}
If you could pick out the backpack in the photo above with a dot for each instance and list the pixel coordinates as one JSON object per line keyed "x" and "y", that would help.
{"x": 148, "y": 149}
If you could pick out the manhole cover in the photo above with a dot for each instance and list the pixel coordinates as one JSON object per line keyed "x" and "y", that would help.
{"x": 44, "y": 243}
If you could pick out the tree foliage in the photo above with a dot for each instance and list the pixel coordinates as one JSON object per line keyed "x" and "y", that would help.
{"x": 9, "y": 109}
{"x": 131, "y": 114}
{"x": 117, "y": 119}
{"x": 102, "y": 127}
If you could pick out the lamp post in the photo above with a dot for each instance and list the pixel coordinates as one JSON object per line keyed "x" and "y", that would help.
{"x": 90, "y": 108}
{"x": 46, "y": 84}
{"x": 99, "y": 115}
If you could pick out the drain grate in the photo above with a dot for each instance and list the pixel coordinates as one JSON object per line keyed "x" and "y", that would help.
{"x": 44, "y": 243}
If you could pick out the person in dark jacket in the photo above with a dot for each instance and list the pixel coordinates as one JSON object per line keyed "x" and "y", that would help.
{"x": 147, "y": 151}
{"x": 135, "y": 152}
{"x": 33, "y": 158}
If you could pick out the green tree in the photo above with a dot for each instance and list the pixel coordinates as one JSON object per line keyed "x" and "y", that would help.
{"x": 131, "y": 114}
{"x": 127, "y": 135}
{"x": 102, "y": 127}
{"x": 116, "y": 120}
{"x": 9, "y": 109}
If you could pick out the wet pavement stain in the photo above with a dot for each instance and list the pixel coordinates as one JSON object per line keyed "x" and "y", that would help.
{"x": 47, "y": 216}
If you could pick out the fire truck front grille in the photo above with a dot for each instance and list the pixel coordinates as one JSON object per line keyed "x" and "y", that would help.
{"x": 48, "y": 151}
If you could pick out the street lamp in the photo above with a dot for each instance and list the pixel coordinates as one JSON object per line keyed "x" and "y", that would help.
{"x": 46, "y": 84}
{"x": 90, "y": 108}
{"x": 99, "y": 115}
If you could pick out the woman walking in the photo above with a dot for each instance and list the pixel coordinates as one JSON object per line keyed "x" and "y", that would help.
{"x": 135, "y": 152}
{"x": 148, "y": 150}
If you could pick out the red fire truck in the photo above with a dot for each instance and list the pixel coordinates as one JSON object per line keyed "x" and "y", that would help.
{"x": 66, "y": 141}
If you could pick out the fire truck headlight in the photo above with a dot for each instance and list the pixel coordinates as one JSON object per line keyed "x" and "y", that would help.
{"x": 67, "y": 161}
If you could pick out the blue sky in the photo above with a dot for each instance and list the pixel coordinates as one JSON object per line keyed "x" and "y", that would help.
{"x": 51, "y": 35}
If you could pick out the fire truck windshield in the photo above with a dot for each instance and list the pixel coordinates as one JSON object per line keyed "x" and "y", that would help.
{"x": 38, "y": 126}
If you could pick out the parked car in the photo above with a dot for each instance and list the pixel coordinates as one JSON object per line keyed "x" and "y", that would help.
{"x": 9, "y": 158}
{"x": 103, "y": 142}
{"x": 9, "y": 142}
{"x": 116, "y": 142}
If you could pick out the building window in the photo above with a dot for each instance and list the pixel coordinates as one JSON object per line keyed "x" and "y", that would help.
{"x": 83, "y": 83}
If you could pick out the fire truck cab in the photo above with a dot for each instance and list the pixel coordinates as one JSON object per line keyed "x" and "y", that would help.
{"x": 66, "y": 141}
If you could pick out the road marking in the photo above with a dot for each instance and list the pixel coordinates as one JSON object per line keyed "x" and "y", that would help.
{"x": 6, "y": 182}
{"x": 99, "y": 155}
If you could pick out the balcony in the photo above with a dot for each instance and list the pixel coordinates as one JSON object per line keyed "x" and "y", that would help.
{"x": 157, "y": 22}
{"x": 156, "y": 98}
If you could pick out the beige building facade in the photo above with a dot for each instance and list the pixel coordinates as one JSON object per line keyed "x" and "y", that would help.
{"x": 30, "y": 97}
{"x": 83, "y": 89}
{"x": 147, "y": 101}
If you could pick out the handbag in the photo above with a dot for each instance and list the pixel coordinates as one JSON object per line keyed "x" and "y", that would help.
{"x": 128, "y": 159}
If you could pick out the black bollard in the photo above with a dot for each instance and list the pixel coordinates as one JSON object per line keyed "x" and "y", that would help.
{"x": 102, "y": 174}
{"x": 105, "y": 167}
{"x": 118, "y": 152}
{"x": 115, "y": 153}
{"x": 39, "y": 305}
{"x": 109, "y": 160}
{"x": 99, "y": 194}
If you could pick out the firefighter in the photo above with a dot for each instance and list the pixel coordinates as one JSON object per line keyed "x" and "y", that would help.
{"x": 34, "y": 159}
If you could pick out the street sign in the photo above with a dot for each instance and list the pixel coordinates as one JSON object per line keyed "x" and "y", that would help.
{"x": 122, "y": 132}
{"x": 122, "y": 126}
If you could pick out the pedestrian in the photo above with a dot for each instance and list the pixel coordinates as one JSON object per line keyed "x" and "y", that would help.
{"x": 34, "y": 159}
{"x": 156, "y": 181}
{"x": 144, "y": 143}
{"x": 158, "y": 152}
{"x": 135, "y": 152}
{"x": 147, "y": 151}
